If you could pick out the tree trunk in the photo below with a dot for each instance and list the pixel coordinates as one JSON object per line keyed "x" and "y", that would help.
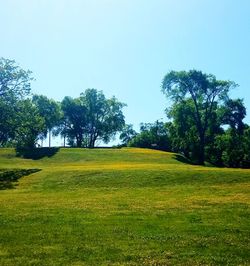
{"x": 49, "y": 138}
{"x": 92, "y": 141}
{"x": 201, "y": 159}
{"x": 78, "y": 142}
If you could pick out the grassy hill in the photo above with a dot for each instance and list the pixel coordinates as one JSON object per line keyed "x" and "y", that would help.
{"x": 121, "y": 207}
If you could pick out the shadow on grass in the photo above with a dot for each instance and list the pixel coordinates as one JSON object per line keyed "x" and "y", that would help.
{"x": 37, "y": 153}
{"x": 10, "y": 176}
{"x": 183, "y": 159}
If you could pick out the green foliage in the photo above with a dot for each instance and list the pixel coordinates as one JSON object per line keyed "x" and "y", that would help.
{"x": 127, "y": 134}
{"x": 74, "y": 120}
{"x": 104, "y": 116}
{"x": 246, "y": 143}
{"x": 183, "y": 132}
{"x": 91, "y": 117}
{"x": 14, "y": 81}
{"x": 30, "y": 125}
{"x": 202, "y": 93}
{"x": 154, "y": 136}
{"x": 232, "y": 148}
{"x": 7, "y": 121}
{"x": 14, "y": 85}
{"x": 200, "y": 108}
{"x": 205, "y": 124}
{"x": 233, "y": 113}
{"x": 50, "y": 111}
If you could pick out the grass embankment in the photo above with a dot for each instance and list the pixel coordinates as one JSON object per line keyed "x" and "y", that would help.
{"x": 123, "y": 207}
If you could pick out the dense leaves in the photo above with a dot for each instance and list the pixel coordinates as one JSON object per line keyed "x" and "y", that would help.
{"x": 30, "y": 125}
{"x": 206, "y": 123}
{"x": 14, "y": 86}
{"x": 50, "y": 111}
{"x": 127, "y": 134}
{"x": 82, "y": 121}
{"x": 14, "y": 81}
{"x": 155, "y": 135}
{"x": 90, "y": 118}
{"x": 204, "y": 92}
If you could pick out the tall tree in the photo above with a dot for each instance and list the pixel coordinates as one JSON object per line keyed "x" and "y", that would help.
{"x": 14, "y": 81}
{"x": 50, "y": 111}
{"x": 14, "y": 85}
{"x": 205, "y": 92}
{"x": 91, "y": 117}
{"x": 104, "y": 116}
{"x": 127, "y": 134}
{"x": 246, "y": 162}
{"x": 234, "y": 142}
{"x": 30, "y": 125}
{"x": 73, "y": 125}
{"x": 7, "y": 121}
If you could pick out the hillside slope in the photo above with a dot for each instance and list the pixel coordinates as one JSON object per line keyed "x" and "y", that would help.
{"x": 123, "y": 207}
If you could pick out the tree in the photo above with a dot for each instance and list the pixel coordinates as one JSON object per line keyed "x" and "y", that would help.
{"x": 14, "y": 86}
{"x": 127, "y": 134}
{"x": 74, "y": 120}
{"x": 233, "y": 113}
{"x": 91, "y": 117}
{"x": 30, "y": 125}
{"x": 203, "y": 91}
{"x": 183, "y": 133}
{"x": 152, "y": 135}
{"x": 7, "y": 121}
{"x": 14, "y": 81}
{"x": 246, "y": 135}
{"x": 50, "y": 111}
{"x": 234, "y": 142}
{"x": 104, "y": 116}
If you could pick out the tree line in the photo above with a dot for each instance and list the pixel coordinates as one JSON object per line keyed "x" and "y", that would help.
{"x": 27, "y": 118}
{"x": 205, "y": 124}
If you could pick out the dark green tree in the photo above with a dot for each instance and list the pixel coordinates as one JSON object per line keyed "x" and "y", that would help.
{"x": 7, "y": 121}
{"x": 14, "y": 85}
{"x": 204, "y": 92}
{"x": 127, "y": 134}
{"x": 152, "y": 135}
{"x": 91, "y": 117}
{"x": 233, "y": 113}
{"x": 14, "y": 81}
{"x": 30, "y": 125}
{"x": 73, "y": 124}
{"x": 183, "y": 132}
{"x": 50, "y": 111}
{"x": 104, "y": 117}
{"x": 246, "y": 136}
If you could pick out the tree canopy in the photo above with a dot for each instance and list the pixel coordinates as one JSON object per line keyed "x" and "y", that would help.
{"x": 91, "y": 117}
{"x": 14, "y": 81}
{"x": 203, "y": 92}
{"x": 14, "y": 86}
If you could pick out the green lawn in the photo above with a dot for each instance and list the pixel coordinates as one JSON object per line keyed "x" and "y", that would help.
{"x": 121, "y": 207}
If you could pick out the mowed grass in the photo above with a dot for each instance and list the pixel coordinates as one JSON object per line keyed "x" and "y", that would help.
{"x": 123, "y": 207}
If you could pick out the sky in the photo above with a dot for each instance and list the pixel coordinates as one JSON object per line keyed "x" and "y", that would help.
{"x": 125, "y": 47}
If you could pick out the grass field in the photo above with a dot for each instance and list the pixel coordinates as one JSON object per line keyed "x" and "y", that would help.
{"x": 121, "y": 207}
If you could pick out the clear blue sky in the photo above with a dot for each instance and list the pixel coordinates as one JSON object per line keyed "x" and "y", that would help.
{"x": 124, "y": 47}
